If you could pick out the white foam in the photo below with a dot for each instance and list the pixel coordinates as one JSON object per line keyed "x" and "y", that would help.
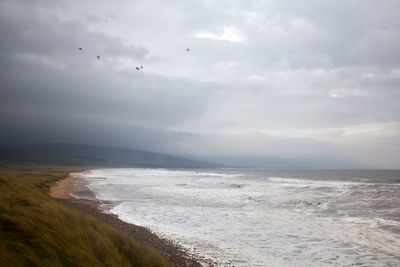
{"x": 306, "y": 182}
{"x": 238, "y": 221}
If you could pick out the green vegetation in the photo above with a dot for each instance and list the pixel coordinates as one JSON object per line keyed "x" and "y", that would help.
{"x": 36, "y": 230}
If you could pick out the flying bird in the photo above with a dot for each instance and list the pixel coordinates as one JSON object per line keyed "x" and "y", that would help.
{"x": 80, "y": 48}
{"x": 98, "y": 57}
{"x": 187, "y": 50}
{"x": 141, "y": 66}
{"x": 138, "y": 68}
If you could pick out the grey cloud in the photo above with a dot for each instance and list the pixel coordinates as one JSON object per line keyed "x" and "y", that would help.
{"x": 47, "y": 84}
{"x": 302, "y": 65}
{"x": 54, "y": 38}
{"x": 378, "y": 46}
{"x": 99, "y": 94}
{"x": 328, "y": 33}
{"x": 31, "y": 129}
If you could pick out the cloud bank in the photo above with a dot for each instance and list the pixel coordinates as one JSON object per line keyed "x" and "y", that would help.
{"x": 309, "y": 79}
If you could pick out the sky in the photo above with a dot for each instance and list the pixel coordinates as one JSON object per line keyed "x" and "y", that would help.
{"x": 308, "y": 79}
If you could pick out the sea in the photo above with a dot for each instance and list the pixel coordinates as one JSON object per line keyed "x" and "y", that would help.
{"x": 251, "y": 217}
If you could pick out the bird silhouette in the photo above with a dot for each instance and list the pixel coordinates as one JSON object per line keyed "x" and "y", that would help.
{"x": 187, "y": 50}
{"x": 98, "y": 57}
{"x": 80, "y": 48}
{"x": 138, "y": 68}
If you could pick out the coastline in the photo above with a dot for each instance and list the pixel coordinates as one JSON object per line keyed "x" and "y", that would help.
{"x": 62, "y": 189}
{"x": 65, "y": 191}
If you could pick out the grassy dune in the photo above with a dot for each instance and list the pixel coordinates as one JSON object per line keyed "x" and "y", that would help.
{"x": 36, "y": 230}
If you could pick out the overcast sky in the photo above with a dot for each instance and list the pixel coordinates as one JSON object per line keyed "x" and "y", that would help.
{"x": 273, "y": 78}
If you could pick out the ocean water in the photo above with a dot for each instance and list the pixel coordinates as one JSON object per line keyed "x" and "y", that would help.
{"x": 263, "y": 218}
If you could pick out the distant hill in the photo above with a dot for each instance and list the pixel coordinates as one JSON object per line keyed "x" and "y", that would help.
{"x": 76, "y": 155}
{"x": 92, "y": 156}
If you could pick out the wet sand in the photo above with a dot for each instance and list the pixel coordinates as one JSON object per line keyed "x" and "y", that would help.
{"x": 62, "y": 190}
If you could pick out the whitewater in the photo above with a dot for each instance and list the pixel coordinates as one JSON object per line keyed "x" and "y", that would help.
{"x": 242, "y": 217}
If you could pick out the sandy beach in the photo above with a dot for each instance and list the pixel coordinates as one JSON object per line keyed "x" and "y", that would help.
{"x": 62, "y": 190}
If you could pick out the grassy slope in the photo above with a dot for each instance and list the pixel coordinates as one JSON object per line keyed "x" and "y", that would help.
{"x": 36, "y": 230}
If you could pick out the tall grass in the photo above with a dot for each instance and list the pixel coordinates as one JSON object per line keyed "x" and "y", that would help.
{"x": 36, "y": 230}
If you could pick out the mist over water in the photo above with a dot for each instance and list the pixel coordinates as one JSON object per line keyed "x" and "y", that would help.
{"x": 263, "y": 218}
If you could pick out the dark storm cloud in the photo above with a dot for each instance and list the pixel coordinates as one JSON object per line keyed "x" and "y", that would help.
{"x": 51, "y": 91}
{"x": 98, "y": 94}
{"x": 264, "y": 78}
